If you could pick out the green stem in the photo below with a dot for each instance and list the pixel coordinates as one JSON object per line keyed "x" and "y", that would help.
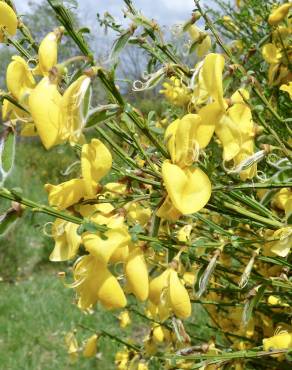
{"x": 274, "y": 223}
{"x": 228, "y": 356}
{"x": 19, "y": 47}
{"x": 254, "y": 186}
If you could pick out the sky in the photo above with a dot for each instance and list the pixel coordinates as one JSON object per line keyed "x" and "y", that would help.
{"x": 166, "y": 12}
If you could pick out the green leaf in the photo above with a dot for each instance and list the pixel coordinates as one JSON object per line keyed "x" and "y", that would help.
{"x": 84, "y": 30}
{"x": 86, "y": 101}
{"x": 101, "y": 114}
{"x": 193, "y": 47}
{"x": 251, "y": 304}
{"x": 120, "y": 44}
{"x": 135, "y": 230}
{"x": 7, "y": 220}
{"x": 7, "y": 153}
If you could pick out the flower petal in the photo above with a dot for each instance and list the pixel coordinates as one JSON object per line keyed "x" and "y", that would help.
{"x": 188, "y": 189}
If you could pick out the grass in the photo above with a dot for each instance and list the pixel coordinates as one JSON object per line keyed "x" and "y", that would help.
{"x": 35, "y": 316}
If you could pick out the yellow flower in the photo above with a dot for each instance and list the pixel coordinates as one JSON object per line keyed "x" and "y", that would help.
{"x": 72, "y": 346}
{"x": 281, "y": 247}
{"x": 94, "y": 282}
{"x": 178, "y": 296}
{"x": 229, "y": 24}
{"x": 279, "y": 341}
{"x": 167, "y": 211}
{"x": 279, "y": 14}
{"x": 276, "y": 301}
{"x": 157, "y": 286}
{"x": 48, "y": 51}
{"x": 96, "y": 161}
{"x": 287, "y": 88}
{"x": 124, "y": 318}
{"x": 44, "y": 105}
{"x": 136, "y": 266}
{"x": 90, "y": 347}
{"x": 212, "y": 75}
{"x": 65, "y": 194}
{"x": 102, "y": 247}
{"x": 19, "y": 78}
{"x": 137, "y": 213}
{"x": 176, "y": 92}
{"x": 12, "y": 112}
{"x": 8, "y": 20}
{"x": 189, "y": 189}
{"x": 186, "y": 136}
{"x": 67, "y": 240}
{"x": 202, "y": 40}
{"x": 271, "y": 53}
{"x": 281, "y": 198}
{"x": 72, "y": 115}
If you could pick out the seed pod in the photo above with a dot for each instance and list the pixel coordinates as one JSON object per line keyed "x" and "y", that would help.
{"x": 137, "y": 274}
{"x": 178, "y": 296}
{"x": 44, "y": 105}
{"x": 157, "y": 285}
{"x": 8, "y": 20}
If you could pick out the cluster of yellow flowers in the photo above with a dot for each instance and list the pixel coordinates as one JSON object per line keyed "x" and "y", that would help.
{"x": 110, "y": 261}
{"x": 278, "y": 52}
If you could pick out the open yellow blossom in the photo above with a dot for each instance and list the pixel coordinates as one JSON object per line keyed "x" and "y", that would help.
{"x": 65, "y": 194}
{"x": 95, "y": 163}
{"x": 271, "y": 53}
{"x": 8, "y": 20}
{"x": 94, "y": 282}
{"x": 72, "y": 346}
{"x": 167, "y": 211}
{"x": 103, "y": 246}
{"x": 287, "y": 88}
{"x": 186, "y": 136}
{"x": 279, "y": 341}
{"x": 178, "y": 296}
{"x": 212, "y": 74}
{"x": 67, "y": 240}
{"x": 283, "y": 241}
{"x": 201, "y": 40}
{"x": 124, "y": 318}
{"x": 167, "y": 293}
{"x": 189, "y": 189}
{"x": 19, "y": 78}
{"x": 72, "y": 115}
{"x": 176, "y": 92}
{"x": 90, "y": 347}
{"x": 136, "y": 266}
{"x": 44, "y": 105}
